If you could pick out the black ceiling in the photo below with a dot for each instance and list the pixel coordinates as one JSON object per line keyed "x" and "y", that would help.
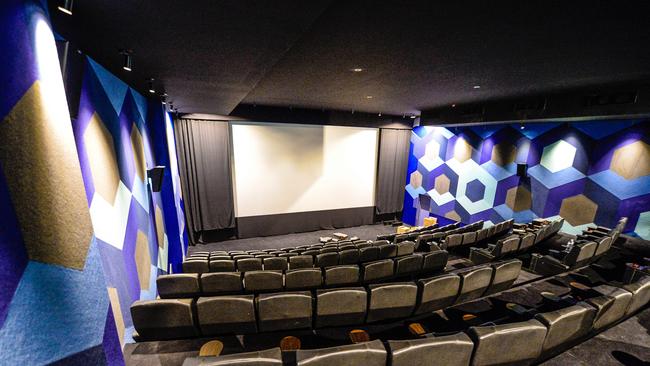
{"x": 211, "y": 56}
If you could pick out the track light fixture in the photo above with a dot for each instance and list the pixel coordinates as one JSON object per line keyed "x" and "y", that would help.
{"x": 128, "y": 59}
{"x": 150, "y": 85}
{"x": 521, "y": 126}
{"x": 66, "y": 6}
{"x": 163, "y": 98}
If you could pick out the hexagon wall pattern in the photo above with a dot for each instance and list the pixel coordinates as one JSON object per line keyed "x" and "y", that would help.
{"x": 590, "y": 172}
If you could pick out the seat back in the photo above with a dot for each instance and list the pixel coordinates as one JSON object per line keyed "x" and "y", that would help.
{"x": 175, "y": 286}
{"x": 221, "y": 283}
{"x": 409, "y": 264}
{"x": 327, "y": 259}
{"x": 222, "y": 265}
{"x": 387, "y": 251}
{"x": 527, "y": 241}
{"x": 301, "y": 261}
{"x": 391, "y": 300}
{"x": 341, "y": 275}
{"x": 275, "y": 263}
{"x": 368, "y": 354}
{"x": 196, "y": 266}
{"x": 603, "y": 245}
{"x": 640, "y": 294}
{"x": 304, "y": 278}
{"x": 567, "y": 324}
{"x": 469, "y": 238}
{"x": 474, "y": 282}
{"x": 508, "y": 344}
{"x": 503, "y": 276}
{"x": 226, "y": 315}
{"x": 257, "y": 281}
{"x": 510, "y": 245}
{"x": 270, "y": 357}
{"x": 453, "y": 240}
{"x": 437, "y": 292}
{"x": 368, "y": 254}
{"x": 451, "y": 350}
{"x": 349, "y": 256}
{"x": 580, "y": 253}
{"x": 481, "y": 235}
{"x": 284, "y": 310}
{"x": 378, "y": 270}
{"x": 164, "y": 319}
{"x": 341, "y": 307}
{"x": 249, "y": 264}
{"x": 405, "y": 248}
{"x": 435, "y": 261}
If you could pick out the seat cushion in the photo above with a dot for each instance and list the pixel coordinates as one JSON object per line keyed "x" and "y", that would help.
{"x": 391, "y": 300}
{"x": 338, "y": 307}
{"x": 178, "y": 285}
{"x": 284, "y": 310}
{"x": 515, "y": 343}
{"x": 452, "y": 350}
{"x": 226, "y": 315}
{"x": 368, "y": 354}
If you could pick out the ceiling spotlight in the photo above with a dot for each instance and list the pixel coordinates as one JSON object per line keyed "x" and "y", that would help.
{"x": 521, "y": 126}
{"x": 163, "y": 98}
{"x": 413, "y": 116}
{"x": 150, "y": 84}
{"x": 453, "y": 106}
{"x": 66, "y": 7}
{"x": 379, "y": 114}
{"x": 356, "y": 69}
{"x": 368, "y": 96}
{"x": 128, "y": 59}
{"x": 477, "y": 87}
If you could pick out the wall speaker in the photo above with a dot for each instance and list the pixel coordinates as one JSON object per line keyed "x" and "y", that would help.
{"x": 156, "y": 176}
{"x": 522, "y": 170}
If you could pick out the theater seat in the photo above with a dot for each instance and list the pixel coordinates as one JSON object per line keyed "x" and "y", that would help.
{"x": 196, "y": 266}
{"x": 435, "y": 261}
{"x": 453, "y": 240}
{"x": 349, "y": 256}
{"x": 339, "y": 307}
{"x": 249, "y": 264}
{"x": 366, "y": 354}
{"x": 301, "y": 261}
{"x": 378, "y": 270}
{"x": 451, "y": 350}
{"x": 508, "y": 344}
{"x": 304, "y": 278}
{"x": 391, "y": 300}
{"x": 270, "y": 357}
{"x": 341, "y": 275}
{"x": 221, "y": 283}
{"x": 408, "y": 264}
{"x": 405, "y": 248}
{"x": 437, "y": 292}
{"x": 504, "y": 275}
{"x": 226, "y": 315}
{"x": 163, "y": 319}
{"x": 180, "y": 285}
{"x": 284, "y": 311}
{"x": 387, "y": 251}
{"x": 255, "y": 281}
{"x": 222, "y": 265}
{"x": 567, "y": 324}
{"x": 474, "y": 282}
{"x": 611, "y": 306}
{"x": 368, "y": 254}
{"x": 327, "y": 259}
{"x": 275, "y": 263}
{"x": 640, "y": 294}
{"x": 527, "y": 241}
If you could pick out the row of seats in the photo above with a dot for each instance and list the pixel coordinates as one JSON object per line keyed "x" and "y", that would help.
{"x": 600, "y": 231}
{"x": 580, "y": 254}
{"x": 242, "y": 314}
{"x": 520, "y": 241}
{"x": 297, "y": 258}
{"x": 477, "y": 235}
{"x": 413, "y": 234}
{"x": 218, "y": 283}
{"x": 519, "y": 343}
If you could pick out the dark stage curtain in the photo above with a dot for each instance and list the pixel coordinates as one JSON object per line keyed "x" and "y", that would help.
{"x": 391, "y": 172}
{"x": 204, "y": 161}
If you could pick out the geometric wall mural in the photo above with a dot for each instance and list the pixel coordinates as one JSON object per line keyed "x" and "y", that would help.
{"x": 115, "y": 149}
{"x": 587, "y": 172}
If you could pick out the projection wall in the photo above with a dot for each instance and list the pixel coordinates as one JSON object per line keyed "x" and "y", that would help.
{"x": 324, "y": 174}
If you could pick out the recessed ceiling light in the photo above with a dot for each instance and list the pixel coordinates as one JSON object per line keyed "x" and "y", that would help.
{"x": 356, "y": 69}
{"x": 413, "y": 116}
{"x": 453, "y": 106}
{"x": 368, "y": 96}
{"x": 521, "y": 127}
{"x": 379, "y": 114}
{"x": 66, "y": 7}
{"x": 477, "y": 87}
{"x": 128, "y": 60}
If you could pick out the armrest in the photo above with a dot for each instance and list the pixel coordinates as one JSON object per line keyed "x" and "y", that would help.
{"x": 548, "y": 265}
{"x": 479, "y": 256}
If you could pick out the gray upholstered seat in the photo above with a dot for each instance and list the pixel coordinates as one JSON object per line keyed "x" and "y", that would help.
{"x": 349, "y": 256}
{"x": 222, "y": 265}
{"x": 255, "y": 281}
{"x": 508, "y": 344}
{"x": 408, "y": 264}
{"x": 469, "y": 238}
{"x": 438, "y": 292}
{"x": 368, "y": 254}
{"x": 196, "y": 266}
{"x": 509, "y": 245}
{"x": 435, "y": 261}
{"x": 237, "y": 257}
{"x": 604, "y": 244}
{"x": 611, "y": 306}
{"x": 451, "y": 350}
{"x": 640, "y": 294}
{"x": 226, "y": 315}
{"x": 474, "y": 282}
{"x": 453, "y": 240}
{"x": 341, "y": 275}
{"x": 504, "y": 275}
{"x": 481, "y": 235}
{"x": 343, "y": 306}
{"x": 175, "y": 286}
{"x": 163, "y": 319}
{"x": 249, "y": 264}
{"x": 284, "y": 310}
{"x": 400, "y": 238}
{"x": 391, "y": 300}
{"x": 275, "y": 263}
{"x": 301, "y": 261}
{"x": 422, "y": 241}
{"x": 221, "y": 283}
{"x": 566, "y": 324}
{"x": 303, "y": 278}
{"x": 527, "y": 241}
{"x": 378, "y": 270}
{"x": 269, "y": 357}
{"x": 405, "y": 248}
{"x": 367, "y": 354}
{"x": 327, "y": 259}
{"x": 387, "y": 251}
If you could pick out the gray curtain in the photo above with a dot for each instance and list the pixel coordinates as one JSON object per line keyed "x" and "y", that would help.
{"x": 391, "y": 172}
{"x": 204, "y": 162}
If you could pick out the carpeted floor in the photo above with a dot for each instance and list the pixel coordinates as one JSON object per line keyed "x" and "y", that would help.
{"x": 367, "y": 232}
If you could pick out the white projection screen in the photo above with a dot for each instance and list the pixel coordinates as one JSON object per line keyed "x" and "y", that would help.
{"x": 289, "y": 168}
